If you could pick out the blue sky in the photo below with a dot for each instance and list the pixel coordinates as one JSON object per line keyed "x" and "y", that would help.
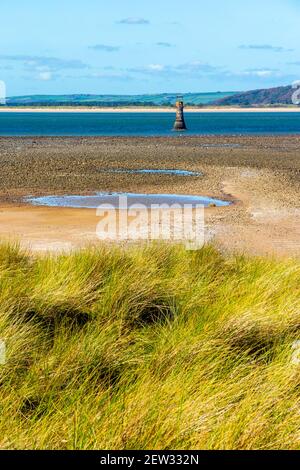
{"x": 131, "y": 47}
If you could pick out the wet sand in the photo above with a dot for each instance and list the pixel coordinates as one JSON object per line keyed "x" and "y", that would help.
{"x": 261, "y": 175}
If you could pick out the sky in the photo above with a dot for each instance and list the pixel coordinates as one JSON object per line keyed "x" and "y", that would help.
{"x": 157, "y": 46}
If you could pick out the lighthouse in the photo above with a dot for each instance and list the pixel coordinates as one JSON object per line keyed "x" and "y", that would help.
{"x": 179, "y": 124}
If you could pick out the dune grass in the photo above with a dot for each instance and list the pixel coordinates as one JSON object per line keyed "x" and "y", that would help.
{"x": 148, "y": 348}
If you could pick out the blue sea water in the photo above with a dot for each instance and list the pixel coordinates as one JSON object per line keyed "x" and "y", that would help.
{"x": 145, "y": 124}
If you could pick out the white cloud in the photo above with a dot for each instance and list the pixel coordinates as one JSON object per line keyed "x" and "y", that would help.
{"x": 45, "y": 76}
{"x": 105, "y": 48}
{"x": 55, "y": 63}
{"x": 189, "y": 69}
{"x": 133, "y": 20}
{"x": 156, "y": 67}
{"x": 261, "y": 72}
{"x": 164, "y": 44}
{"x": 264, "y": 47}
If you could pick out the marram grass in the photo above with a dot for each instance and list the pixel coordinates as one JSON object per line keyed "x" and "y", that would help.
{"x": 149, "y": 348}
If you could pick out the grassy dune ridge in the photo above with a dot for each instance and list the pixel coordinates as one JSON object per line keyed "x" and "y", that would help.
{"x": 148, "y": 347}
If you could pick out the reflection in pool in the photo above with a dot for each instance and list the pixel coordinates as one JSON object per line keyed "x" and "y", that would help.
{"x": 117, "y": 200}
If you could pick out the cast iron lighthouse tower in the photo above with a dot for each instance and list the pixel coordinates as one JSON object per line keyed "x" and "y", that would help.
{"x": 179, "y": 124}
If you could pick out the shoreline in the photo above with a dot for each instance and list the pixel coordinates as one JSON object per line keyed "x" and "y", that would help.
{"x": 145, "y": 109}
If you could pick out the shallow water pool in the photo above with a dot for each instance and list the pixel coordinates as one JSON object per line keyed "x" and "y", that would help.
{"x": 154, "y": 171}
{"x": 122, "y": 200}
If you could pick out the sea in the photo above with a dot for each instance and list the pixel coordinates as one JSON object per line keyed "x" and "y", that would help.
{"x": 146, "y": 124}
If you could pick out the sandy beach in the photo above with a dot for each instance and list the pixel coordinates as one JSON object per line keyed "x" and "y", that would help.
{"x": 260, "y": 175}
{"x": 145, "y": 109}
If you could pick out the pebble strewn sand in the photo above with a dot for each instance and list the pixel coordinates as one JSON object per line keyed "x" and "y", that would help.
{"x": 262, "y": 174}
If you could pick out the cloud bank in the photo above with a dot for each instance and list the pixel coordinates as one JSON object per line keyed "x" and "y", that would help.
{"x": 264, "y": 47}
{"x": 105, "y": 48}
{"x": 133, "y": 20}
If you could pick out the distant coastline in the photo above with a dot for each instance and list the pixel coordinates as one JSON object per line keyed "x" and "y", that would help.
{"x": 146, "y": 109}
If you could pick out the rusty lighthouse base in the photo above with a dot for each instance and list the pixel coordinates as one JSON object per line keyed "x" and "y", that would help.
{"x": 179, "y": 124}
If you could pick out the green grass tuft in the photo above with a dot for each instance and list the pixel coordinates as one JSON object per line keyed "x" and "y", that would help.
{"x": 148, "y": 347}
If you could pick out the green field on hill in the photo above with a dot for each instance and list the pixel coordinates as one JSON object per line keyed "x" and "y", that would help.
{"x": 164, "y": 99}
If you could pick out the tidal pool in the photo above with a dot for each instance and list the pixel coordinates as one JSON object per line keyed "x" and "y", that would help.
{"x": 230, "y": 146}
{"x": 154, "y": 171}
{"x": 119, "y": 200}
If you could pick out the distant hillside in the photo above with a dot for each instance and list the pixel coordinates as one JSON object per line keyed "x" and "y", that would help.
{"x": 164, "y": 99}
{"x": 263, "y": 97}
{"x": 270, "y": 96}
